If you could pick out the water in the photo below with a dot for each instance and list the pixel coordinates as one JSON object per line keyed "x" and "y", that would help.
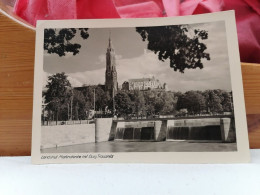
{"x": 123, "y": 146}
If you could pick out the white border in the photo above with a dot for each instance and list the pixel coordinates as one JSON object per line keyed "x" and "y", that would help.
{"x": 239, "y": 156}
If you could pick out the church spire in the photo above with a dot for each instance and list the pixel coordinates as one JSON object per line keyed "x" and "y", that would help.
{"x": 110, "y": 42}
{"x": 111, "y": 74}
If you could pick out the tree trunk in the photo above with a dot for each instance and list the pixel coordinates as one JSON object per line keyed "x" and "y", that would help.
{"x": 57, "y": 114}
{"x": 68, "y": 111}
{"x": 77, "y": 112}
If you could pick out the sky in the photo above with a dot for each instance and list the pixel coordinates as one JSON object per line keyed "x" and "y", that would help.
{"x": 134, "y": 60}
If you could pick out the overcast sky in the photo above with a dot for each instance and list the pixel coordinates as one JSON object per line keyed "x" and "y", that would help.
{"x": 135, "y": 61}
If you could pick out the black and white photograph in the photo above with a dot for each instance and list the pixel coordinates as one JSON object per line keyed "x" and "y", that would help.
{"x": 147, "y": 89}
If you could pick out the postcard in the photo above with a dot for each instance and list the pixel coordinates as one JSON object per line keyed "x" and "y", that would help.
{"x": 159, "y": 90}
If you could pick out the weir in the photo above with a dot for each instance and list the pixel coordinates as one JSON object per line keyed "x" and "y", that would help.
{"x": 209, "y": 132}
{"x": 220, "y": 129}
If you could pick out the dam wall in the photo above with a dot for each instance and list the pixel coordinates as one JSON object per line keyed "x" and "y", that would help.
{"x": 215, "y": 129}
{"x": 218, "y": 129}
{"x": 108, "y": 129}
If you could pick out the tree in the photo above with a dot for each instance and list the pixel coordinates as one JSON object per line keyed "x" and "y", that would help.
{"x": 158, "y": 105}
{"x": 213, "y": 101}
{"x": 169, "y": 102}
{"x": 59, "y": 41}
{"x": 58, "y": 93}
{"x": 177, "y": 94}
{"x": 227, "y": 102}
{"x": 138, "y": 102}
{"x": 176, "y": 44}
{"x": 88, "y": 92}
{"x": 123, "y": 104}
{"x": 79, "y": 104}
{"x": 149, "y": 97}
{"x": 193, "y": 101}
{"x": 102, "y": 98}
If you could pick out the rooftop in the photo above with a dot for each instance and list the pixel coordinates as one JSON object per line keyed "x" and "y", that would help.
{"x": 142, "y": 79}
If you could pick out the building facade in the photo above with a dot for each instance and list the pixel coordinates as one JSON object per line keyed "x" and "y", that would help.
{"x": 143, "y": 84}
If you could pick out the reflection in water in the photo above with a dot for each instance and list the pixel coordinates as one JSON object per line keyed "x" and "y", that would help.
{"x": 126, "y": 146}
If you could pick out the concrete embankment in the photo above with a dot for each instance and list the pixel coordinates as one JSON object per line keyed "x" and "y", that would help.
{"x": 65, "y": 135}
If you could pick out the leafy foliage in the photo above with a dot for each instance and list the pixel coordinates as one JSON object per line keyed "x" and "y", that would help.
{"x": 227, "y": 101}
{"x": 58, "y": 94}
{"x": 59, "y": 41}
{"x": 193, "y": 101}
{"x": 79, "y": 105}
{"x": 213, "y": 101}
{"x": 209, "y": 101}
{"x": 102, "y": 98}
{"x": 138, "y": 102}
{"x": 65, "y": 103}
{"x": 175, "y": 44}
{"x": 145, "y": 103}
{"x": 123, "y": 104}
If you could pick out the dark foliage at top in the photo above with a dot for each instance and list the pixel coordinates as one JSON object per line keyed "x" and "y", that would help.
{"x": 176, "y": 44}
{"x": 59, "y": 41}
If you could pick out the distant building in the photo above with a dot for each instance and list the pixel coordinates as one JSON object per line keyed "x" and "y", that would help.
{"x": 143, "y": 84}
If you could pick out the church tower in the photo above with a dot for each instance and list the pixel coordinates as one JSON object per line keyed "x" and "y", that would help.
{"x": 111, "y": 74}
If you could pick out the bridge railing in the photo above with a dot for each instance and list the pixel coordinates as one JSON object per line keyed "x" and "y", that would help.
{"x": 175, "y": 118}
{"x": 72, "y": 122}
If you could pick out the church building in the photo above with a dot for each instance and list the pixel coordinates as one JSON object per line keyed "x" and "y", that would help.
{"x": 111, "y": 84}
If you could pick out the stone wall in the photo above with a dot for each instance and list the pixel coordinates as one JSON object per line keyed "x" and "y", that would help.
{"x": 228, "y": 133}
{"x": 160, "y": 129}
{"x": 65, "y": 135}
{"x": 104, "y": 130}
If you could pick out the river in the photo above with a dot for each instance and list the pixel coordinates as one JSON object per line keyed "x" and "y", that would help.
{"x": 126, "y": 146}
